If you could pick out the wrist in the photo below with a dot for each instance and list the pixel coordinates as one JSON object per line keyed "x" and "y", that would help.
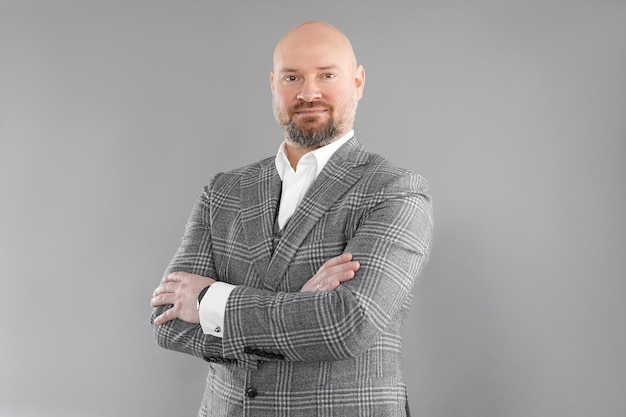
{"x": 201, "y": 294}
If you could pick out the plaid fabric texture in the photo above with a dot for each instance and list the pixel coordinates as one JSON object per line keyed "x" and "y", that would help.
{"x": 286, "y": 353}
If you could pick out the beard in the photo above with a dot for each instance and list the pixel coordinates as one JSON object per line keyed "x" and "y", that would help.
{"x": 309, "y": 132}
{"x": 311, "y": 137}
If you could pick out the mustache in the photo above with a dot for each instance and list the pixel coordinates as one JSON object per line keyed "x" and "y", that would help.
{"x": 305, "y": 105}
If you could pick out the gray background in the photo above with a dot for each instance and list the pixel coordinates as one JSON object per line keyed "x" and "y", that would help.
{"x": 114, "y": 114}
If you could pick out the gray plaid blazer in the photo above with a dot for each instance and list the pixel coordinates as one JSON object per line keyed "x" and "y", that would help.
{"x": 286, "y": 353}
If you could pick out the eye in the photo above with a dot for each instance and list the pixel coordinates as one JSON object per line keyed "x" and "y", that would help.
{"x": 290, "y": 78}
{"x": 329, "y": 76}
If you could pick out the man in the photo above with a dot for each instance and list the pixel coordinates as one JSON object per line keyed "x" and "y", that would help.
{"x": 295, "y": 273}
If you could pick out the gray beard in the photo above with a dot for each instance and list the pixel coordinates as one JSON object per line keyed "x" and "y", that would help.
{"x": 309, "y": 138}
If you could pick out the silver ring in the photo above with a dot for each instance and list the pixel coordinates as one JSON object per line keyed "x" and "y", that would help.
{"x": 318, "y": 287}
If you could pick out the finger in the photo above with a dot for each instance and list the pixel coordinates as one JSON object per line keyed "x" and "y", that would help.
{"x": 167, "y": 287}
{"x": 158, "y": 290}
{"x": 335, "y": 281}
{"x": 330, "y": 282}
{"x": 162, "y": 299}
{"x": 155, "y": 301}
{"x": 331, "y": 286}
{"x": 342, "y": 271}
{"x": 163, "y": 318}
{"x": 168, "y": 315}
{"x": 337, "y": 260}
{"x": 173, "y": 277}
{"x": 342, "y": 276}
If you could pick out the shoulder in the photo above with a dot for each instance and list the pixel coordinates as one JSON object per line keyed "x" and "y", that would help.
{"x": 376, "y": 171}
{"x": 382, "y": 175}
{"x": 234, "y": 176}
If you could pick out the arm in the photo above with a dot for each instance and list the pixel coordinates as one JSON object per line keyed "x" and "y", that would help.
{"x": 179, "y": 292}
{"x": 391, "y": 243}
{"x": 175, "y": 317}
{"x": 194, "y": 256}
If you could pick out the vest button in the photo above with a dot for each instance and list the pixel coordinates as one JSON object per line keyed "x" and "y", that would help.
{"x": 251, "y": 392}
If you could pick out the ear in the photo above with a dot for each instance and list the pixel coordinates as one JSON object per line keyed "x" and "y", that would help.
{"x": 359, "y": 79}
{"x": 272, "y": 82}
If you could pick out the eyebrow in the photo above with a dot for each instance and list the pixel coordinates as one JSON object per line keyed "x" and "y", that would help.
{"x": 323, "y": 68}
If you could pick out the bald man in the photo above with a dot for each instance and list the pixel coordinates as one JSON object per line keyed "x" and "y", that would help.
{"x": 295, "y": 273}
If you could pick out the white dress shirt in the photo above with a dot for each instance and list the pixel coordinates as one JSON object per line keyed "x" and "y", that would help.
{"x": 295, "y": 186}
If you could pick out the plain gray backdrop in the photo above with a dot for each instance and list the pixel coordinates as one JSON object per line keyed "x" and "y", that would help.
{"x": 114, "y": 114}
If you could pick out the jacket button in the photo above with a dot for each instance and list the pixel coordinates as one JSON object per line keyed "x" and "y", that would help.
{"x": 251, "y": 392}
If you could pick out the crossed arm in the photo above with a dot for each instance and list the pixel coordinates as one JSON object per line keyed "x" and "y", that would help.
{"x": 389, "y": 246}
{"x": 181, "y": 289}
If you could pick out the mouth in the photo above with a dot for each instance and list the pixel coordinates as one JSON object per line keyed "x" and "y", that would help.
{"x": 310, "y": 112}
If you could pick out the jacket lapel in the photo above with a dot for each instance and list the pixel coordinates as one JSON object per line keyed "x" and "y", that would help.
{"x": 342, "y": 170}
{"x": 260, "y": 193}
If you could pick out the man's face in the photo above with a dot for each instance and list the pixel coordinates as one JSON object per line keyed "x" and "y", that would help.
{"x": 315, "y": 88}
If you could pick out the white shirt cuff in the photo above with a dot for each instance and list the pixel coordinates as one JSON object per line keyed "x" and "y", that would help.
{"x": 212, "y": 308}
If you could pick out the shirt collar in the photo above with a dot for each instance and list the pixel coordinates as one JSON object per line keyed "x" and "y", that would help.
{"x": 320, "y": 156}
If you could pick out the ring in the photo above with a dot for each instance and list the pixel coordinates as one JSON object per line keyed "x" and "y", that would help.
{"x": 318, "y": 287}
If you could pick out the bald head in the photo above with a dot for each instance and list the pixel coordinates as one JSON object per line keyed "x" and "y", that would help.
{"x": 318, "y": 37}
{"x": 316, "y": 84}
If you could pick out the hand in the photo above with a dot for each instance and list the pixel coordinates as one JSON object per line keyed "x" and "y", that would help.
{"x": 334, "y": 271}
{"x": 180, "y": 289}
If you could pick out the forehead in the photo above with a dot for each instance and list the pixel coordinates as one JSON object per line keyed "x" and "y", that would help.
{"x": 314, "y": 47}
{"x": 309, "y": 58}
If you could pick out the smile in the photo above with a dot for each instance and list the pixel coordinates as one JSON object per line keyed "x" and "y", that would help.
{"x": 310, "y": 112}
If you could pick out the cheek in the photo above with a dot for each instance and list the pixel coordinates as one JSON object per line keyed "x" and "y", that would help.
{"x": 339, "y": 95}
{"x": 280, "y": 109}
{"x": 283, "y": 98}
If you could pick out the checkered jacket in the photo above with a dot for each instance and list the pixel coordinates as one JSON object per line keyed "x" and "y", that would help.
{"x": 286, "y": 353}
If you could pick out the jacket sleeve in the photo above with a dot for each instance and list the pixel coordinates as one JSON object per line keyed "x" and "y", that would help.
{"x": 194, "y": 255}
{"x": 392, "y": 242}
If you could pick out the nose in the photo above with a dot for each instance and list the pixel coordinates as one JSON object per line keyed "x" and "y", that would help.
{"x": 309, "y": 92}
